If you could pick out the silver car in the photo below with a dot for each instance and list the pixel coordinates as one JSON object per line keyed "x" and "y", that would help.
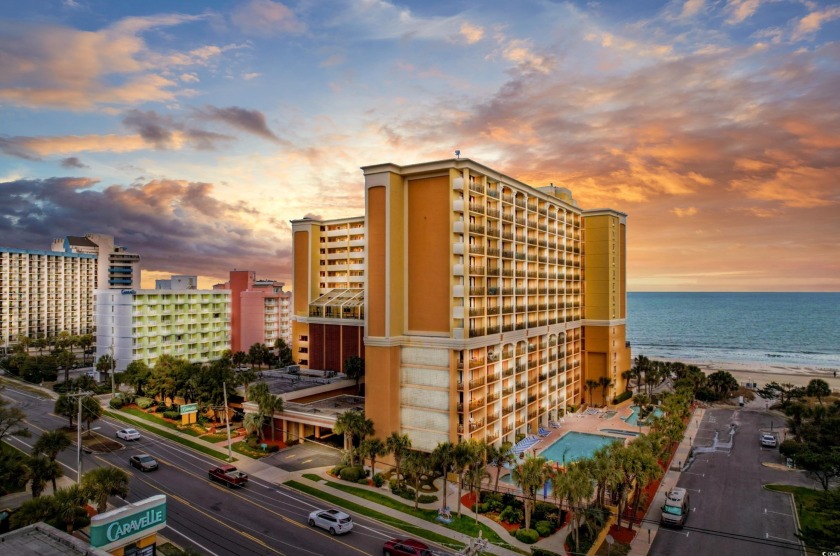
{"x": 143, "y": 462}
{"x": 128, "y": 434}
{"x": 768, "y": 440}
{"x": 334, "y": 521}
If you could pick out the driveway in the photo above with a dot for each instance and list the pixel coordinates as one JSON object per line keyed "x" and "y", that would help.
{"x": 731, "y": 512}
{"x": 304, "y": 456}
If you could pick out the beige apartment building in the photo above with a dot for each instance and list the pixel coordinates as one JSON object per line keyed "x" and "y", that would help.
{"x": 487, "y": 303}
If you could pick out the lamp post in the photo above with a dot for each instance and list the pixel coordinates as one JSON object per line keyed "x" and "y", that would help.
{"x": 113, "y": 369}
{"x": 79, "y": 395}
{"x": 227, "y": 420}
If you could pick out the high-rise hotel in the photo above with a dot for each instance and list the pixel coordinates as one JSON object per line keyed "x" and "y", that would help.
{"x": 486, "y": 303}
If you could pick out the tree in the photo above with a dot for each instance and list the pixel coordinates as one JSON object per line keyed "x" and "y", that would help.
{"x": 354, "y": 368}
{"x": 442, "y": 458}
{"x": 722, "y": 383}
{"x": 12, "y": 469}
{"x": 350, "y": 423}
{"x": 398, "y": 444}
{"x": 105, "y": 363}
{"x": 819, "y": 463}
{"x": 591, "y": 385}
{"x": 647, "y": 470}
{"x": 818, "y": 388}
{"x": 416, "y": 465}
{"x": 245, "y": 377}
{"x": 50, "y": 444}
{"x": 65, "y": 359}
{"x": 256, "y": 354}
{"x": 85, "y": 342}
{"x": 641, "y": 366}
{"x": 574, "y": 486}
{"x": 605, "y": 383}
{"x": 463, "y": 457}
{"x": 284, "y": 353}
{"x": 372, "y": 448}
{"x": 102, "y": 482}
{"x": 530, "y": 476}
{"x": 499, "y": 456}
{"x": 267, "y": 402}
{"x": 66, "y": 407}
{"x": 91, "y": 411}
{"x": 11, "y": 420}
{"x": 239, "y": 358}
{"x": 32, "y": 511}
{"x": 67, "y": 504}
{"x": 137, "y": 375}
{"x": 39, "y": 471}
{"x": 786, "y": 392}
{"x": 476, "y": 474}
{"x": 253, "y": 423}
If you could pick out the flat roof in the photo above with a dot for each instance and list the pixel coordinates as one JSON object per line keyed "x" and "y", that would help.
{"x": 40, "y": 539}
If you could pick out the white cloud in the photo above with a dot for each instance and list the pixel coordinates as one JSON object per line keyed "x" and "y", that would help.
{"x": 814, "y": 21}
{"x": 265, "y": 18}
{"x": 739, "y": 10}
{"x": 471, "y": 33}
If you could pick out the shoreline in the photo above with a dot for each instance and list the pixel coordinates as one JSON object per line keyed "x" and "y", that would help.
{"x": 763, "y": 373}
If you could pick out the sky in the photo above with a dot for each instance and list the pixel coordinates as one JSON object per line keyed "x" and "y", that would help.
{"x": 194, "y": 132}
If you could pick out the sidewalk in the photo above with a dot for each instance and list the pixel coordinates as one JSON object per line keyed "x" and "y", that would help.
{"x": 647, "y": 531}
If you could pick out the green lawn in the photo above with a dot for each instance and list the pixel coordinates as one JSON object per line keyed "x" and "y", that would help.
{"x": 140, "y": 414}
{"x": 379, "y": 516}
{"x": 241, "y": 447}
{"x": 819, "y": 516}
{"x": 465, "y": 525}
{"x": 120, "y": 416}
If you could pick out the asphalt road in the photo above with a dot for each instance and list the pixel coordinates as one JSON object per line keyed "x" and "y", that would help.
{"x": 731, "y": 511}
{"x": 259, "y": 519}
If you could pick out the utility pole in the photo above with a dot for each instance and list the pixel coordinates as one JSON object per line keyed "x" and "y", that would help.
{"x": 113, "y": 369}
{"x": 79, "y": 395}
{"x": 227, "y": 420}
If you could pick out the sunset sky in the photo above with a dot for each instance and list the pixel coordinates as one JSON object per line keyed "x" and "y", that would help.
{"x": 194, "y": 131}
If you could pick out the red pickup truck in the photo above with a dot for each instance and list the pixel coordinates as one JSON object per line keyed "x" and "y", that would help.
{"x": 228, "y": 475}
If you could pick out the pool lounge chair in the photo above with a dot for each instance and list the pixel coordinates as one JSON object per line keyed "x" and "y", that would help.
{"x": 555, "y": 424}
{"x": 544, "y": 432}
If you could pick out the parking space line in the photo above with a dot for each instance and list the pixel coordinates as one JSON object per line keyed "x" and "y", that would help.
{"x": 772, "y": 512}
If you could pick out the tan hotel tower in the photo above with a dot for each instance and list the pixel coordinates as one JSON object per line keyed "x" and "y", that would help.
{"x": 487, "y": 303}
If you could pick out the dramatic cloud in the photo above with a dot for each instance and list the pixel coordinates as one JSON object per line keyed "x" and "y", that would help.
{"x": 251, "y": 121}
{"x": 265, "y": 18}
{"x": 471, "y": 33}
{"x": 173, "y": 224}
{"x": 72, "y": 162}
{"x": 164, "y": 132}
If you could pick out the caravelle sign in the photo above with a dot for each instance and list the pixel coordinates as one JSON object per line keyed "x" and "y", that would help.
{"x": 127, "y": 524}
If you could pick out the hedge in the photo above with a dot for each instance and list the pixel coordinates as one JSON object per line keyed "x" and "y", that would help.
{"x": 143, "y": 403}
{"x": 544, "y": 528}
{"x": 528, "y": 536}
{"x": 352, "y": 474}
{"x": 115, "y": 403}
{"x": 174, "y": 415}
{"x": 622, "y": 397}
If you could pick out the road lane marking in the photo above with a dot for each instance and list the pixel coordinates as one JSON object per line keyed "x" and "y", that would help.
{"x": 772, "y": 512}
{"x": 205, "y": 549}
{"x": 769, "y": 536}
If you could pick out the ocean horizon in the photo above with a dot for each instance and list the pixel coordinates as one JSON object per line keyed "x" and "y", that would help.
{"x": 775, "y": 328}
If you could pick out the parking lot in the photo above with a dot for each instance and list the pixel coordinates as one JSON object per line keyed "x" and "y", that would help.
{"x": 731, "y": 511}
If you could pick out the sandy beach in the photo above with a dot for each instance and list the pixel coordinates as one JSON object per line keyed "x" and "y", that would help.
{"x": 762, "y": 373}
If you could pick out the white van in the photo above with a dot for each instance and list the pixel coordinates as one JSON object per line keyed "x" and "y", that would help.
{"x": 676, "y": 508}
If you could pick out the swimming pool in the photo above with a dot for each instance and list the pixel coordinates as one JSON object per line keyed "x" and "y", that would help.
{"x": 574, "y": 446}
{"x": 633, "y": 418}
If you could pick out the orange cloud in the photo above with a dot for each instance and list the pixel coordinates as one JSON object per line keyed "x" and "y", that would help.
{"x": 684, "y": 212}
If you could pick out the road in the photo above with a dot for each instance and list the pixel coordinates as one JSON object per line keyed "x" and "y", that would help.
{"x": 261, "y": 518}
{"x": 731, "y": 511}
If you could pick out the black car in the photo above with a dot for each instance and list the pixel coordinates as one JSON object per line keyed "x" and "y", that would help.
{"x": 143, "y": 462}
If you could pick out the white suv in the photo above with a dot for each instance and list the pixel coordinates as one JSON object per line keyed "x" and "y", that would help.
{"x": 768, "y": 440}
{"x": 334, "y": 521}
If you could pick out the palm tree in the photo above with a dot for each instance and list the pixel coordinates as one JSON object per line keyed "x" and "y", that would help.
{"x": 50, "y": 444}
{"x": 253, "y": 423}
{"x": 66, "y": 407}
{"x": 65, "y": 359}
{"x": 530, "y": 475}
{"x": 348, "y": 424}
{"x": 102, "y": 482}
{"x": 463, "y": 457}
{"x": 442, "y": 458}
{"x": 476, "y": 474}
{"x": 268, "y": 403}
{"x": 354, "y": 368}
{"x": 605, "y": 383}
{"x": 575, "y": 486}
{"x": 416, "y": 465}
{"x": 647, "y": 470}
{"x": 67, "y": 503}
{"x": 373, "y": 448}
{"x": 591, "y": 385}
{"x": 33, "y": 511}
{"x": 12, "y": 468}
{"x": 641, "y": 365}
{"x": 499, "y": 456}
{"x": 91, "y": 411}
{"x": 39, "y": 471}
{"x": 399, "y": 445}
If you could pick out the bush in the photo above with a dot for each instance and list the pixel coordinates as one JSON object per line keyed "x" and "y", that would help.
{"x": 363, "y": 481}
{"x": 544, "y": 528}
{"x": 426, "y": 498}
{"x": 160, "y": 408}
{"x": 511, "y": 515}
{"x": 143, "y": 403}
{"x": 528, "y": 536}
{"x": 116, "y": 403}
{"x": 509, "y": 499}
{"x": 378, "y": 480}
{"x": 174, "y": 415}
{"x": 336, "y": 471}
{"x": 493, "y": 500}
{"x": 624, "y": 396}
{"x": 542, "y": 511}
{"x": 126, "y": 398}
{"x": 352, "y": 474}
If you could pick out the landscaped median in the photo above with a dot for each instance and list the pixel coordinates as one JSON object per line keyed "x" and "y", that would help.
{"x": 141, "y": 424}
{"x": 464, "y": 525}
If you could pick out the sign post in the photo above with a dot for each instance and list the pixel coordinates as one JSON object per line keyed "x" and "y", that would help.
{"x": 188, "y": 412}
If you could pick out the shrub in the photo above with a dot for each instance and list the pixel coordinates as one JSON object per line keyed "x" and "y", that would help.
{"x": 174, "y": 415}
{"x": 378, "y": 480}
{"x": 528, "y": 536}
{"x": 493, "y": 500}
{"x": 352, "y": 474}
{"x": 624, "y": 396}
{"x": 483, "y": 508}
{"x": 426, "y": 498}
{"x": 511, "y": 515}
{"x": 115, "y": 403}
{"x": 363, "y": 481}
{"x": 509, "y": 499}
{"x": 544, "y": 528}
{"x": 126, "y": 398}
{"x": 336, "y": 471}
{"x": 160, "y": 408}
{"x": 542, "y": 510}
{"x": 143, "y": 403}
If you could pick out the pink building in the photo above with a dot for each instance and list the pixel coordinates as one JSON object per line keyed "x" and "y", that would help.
{"x": 260, "y": 311}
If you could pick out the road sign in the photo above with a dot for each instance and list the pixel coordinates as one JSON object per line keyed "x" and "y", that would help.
{"x": 188, "y": 408}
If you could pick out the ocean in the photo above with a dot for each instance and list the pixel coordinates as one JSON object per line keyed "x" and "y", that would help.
{"x": 801, "y": 329}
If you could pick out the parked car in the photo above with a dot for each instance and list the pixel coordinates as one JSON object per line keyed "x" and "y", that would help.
{"x": 128, "y": 434}
{"x": 407, "y": 547}
{"x": 143, "y": 462}
{"x": 229, "y": 475}
{"x": 676, "y": 508}
{"x": 334, "y": 521}
{"x": 769, "y": 440}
